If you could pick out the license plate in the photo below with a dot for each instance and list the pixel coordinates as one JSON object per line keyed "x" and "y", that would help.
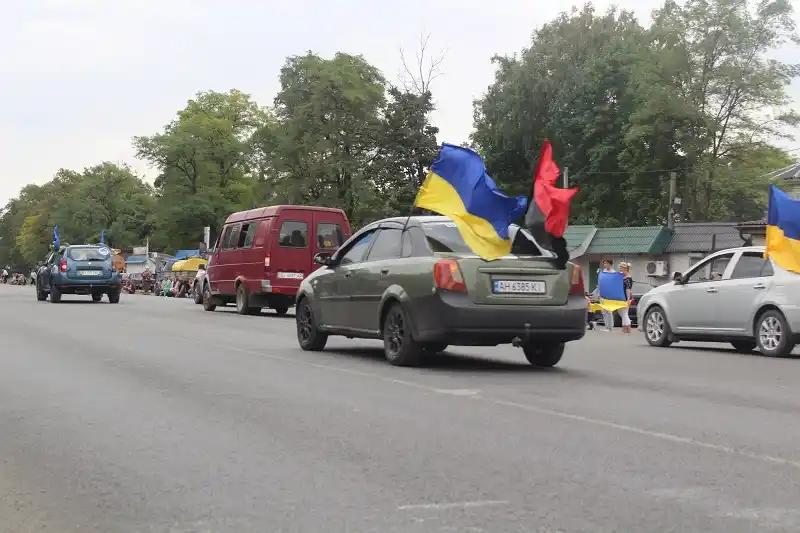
{"x": 290, "y": 275}
{"x": 502, "y": 286}
{"x": 89, "y": 272}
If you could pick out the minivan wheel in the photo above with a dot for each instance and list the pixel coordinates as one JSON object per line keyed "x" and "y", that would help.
{"x": 281, "y": 310}
{"x": 40, "y": 294}
{"x": 242, "y": 303}
{"x": 543, "y": 353}
{"x": 656, "y": 328}
{"x": 398, "y": 344}
{"x": 773, "y": 336}
{"x": 309, "y": 336}
{"x": 208, "y": 300}
{"x": 97, "y": 296}
{"x": 55, "y": 295}
{"x": 744, "y": 346}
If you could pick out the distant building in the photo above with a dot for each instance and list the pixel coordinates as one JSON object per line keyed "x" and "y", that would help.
{"x": 654, "y": 252}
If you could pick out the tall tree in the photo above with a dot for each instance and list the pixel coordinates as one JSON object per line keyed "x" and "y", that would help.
{"x": 329, "y": 111}
{"x": 205, "y": 163}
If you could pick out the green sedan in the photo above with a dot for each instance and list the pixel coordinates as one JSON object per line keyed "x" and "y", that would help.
{"x": 417, "y": 286}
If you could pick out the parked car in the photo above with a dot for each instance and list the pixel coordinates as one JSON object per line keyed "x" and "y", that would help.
{"x": 85, "y": 269}
{"x": 733, "y": 296}
{"x": 422, "y": 289}
{"x": 262, "y": 255}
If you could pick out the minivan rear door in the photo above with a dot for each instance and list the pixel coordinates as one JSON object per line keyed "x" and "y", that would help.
{"x": 291, "y": 250}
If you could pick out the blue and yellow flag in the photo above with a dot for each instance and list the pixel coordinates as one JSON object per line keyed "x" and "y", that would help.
{"x": 612, "y": 292}
{"x": 458, "y": 187}
{"x": 783, "y": 230}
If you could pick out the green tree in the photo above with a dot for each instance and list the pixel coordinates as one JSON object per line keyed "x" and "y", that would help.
{"x": 205, "y": 161}
{"x": 329, "y": 114}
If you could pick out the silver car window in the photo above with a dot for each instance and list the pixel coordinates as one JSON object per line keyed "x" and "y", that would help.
{"x": 752, "y": 265}
{"x": 710, "y": 270}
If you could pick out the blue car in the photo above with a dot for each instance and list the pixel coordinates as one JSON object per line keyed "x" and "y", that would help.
{"x": 86, "y": 269}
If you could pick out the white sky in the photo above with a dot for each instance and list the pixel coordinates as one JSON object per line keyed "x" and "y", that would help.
{"x": 80, "y": 78}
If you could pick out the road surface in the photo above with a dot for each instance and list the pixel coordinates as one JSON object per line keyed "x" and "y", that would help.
{"x": 153, "y": 415}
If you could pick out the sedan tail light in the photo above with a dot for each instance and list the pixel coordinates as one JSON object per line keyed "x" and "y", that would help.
{"x": 576, "y": 284}
{"x": 447, "y": 276}
{"x": 62, "y": 265}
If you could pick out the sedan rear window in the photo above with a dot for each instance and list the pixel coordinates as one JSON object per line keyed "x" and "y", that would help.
{"x": 445, "y": 237}
{"x": 89, "y": 254}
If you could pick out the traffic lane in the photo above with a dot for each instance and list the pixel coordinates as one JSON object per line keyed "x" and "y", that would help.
{"x": 453, "y": 431}
{"x": 506, "y": 477}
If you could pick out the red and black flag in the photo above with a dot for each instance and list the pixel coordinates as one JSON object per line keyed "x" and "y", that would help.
{"x": 548, "y": 206}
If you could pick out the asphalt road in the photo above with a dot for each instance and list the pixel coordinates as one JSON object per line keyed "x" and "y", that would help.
{"x": 153, "y": 415}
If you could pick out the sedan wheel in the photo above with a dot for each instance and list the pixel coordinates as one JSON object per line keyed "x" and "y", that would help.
{"x": 773, "y": 335}
{"x": 309, "y": 336}
{"x": 398, "y": 344}
{"x": 545, "y": 354}
{"x": 656, "y": 328}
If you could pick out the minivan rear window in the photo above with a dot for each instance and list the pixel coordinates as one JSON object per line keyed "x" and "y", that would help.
{"x": 329, "y": 236}
{"x": 89, "y": 253}
{"x": 445, "y": 237}
{"x": 293, "y": 234}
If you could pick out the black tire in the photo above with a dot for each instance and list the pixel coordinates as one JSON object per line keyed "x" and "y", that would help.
{"x": 243, "y": 301}
{"x": 97, "y": 296}
{"x": 434, "y": 347}
{"x": 198, "y": 295}
{"x": 773, "y": 336}
{"x": 40, "y": 294}
{"x": 744, "y": 346}
{"x": 656, "y": 328}
{"x": 398, "y": 343}
{"x": 55, "y": 295}
{"x": 281, "y": 310}
{"x": 310, "y": 338}
{"x": 209, "y": 303}
{"x": 545, "y": 354}
{"x": 113, "y": 296}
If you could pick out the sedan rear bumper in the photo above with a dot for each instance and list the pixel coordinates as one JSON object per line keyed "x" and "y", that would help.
{"x": 453, "y": 318}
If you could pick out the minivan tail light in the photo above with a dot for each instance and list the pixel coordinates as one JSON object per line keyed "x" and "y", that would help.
{"x": 266, "y": 262}
{"x": 576, "y": 284}
{"x": 447, "y": 276}
{"x": 62, "y": 265}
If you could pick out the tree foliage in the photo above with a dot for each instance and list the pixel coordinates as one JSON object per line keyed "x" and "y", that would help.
{"x": 625, "y": 104}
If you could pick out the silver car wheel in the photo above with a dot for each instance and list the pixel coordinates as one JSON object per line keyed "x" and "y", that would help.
{"x": 770, "y": 333}
{"x": 655, "y": 326}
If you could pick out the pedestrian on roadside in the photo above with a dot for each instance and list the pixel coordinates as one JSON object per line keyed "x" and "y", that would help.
{"x": 608, "y": 316}
{"x": 5, "y": 276}
{"x": 627, "y": 283}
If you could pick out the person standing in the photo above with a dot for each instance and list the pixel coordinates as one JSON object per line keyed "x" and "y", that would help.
{"x": 608, "y": 316}
{"x": 627, "y": 283}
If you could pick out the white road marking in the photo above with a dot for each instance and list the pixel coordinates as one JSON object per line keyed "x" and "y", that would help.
{"x": 451, "y": 505}
{"x": 458, "y": 392}
{"x": 772, "y": 459}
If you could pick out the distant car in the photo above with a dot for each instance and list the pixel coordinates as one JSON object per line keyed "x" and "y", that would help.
{"x": 422, "y": 289}
{"x": 597, "y": 317}
{"x": 262, "y": 255}
{"x": 733, "y": 296}
{"x": 85, "y": 269}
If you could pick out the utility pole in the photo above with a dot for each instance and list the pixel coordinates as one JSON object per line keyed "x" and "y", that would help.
{"x": 673, "y": 185}
{"x": 566, "y": 178}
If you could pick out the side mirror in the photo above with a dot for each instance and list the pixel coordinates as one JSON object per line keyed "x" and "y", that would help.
{"x": 323, "y": 259}
{"x": 677, "y": 277}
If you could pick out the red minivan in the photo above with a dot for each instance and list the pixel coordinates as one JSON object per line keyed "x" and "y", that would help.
{"x": 262, "y": 255}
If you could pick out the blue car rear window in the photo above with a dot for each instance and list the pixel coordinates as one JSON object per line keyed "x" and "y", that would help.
{"x": 89, "y": 253}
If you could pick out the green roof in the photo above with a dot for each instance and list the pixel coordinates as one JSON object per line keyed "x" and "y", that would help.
{"x": 634, "y": 240}
{"x": 577, "y": 235}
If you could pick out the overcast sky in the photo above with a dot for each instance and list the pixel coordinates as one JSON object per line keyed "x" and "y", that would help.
{"x": 80, "y": 78}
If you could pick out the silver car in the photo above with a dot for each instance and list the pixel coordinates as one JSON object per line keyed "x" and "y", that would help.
{"x": 733, "y": 296}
